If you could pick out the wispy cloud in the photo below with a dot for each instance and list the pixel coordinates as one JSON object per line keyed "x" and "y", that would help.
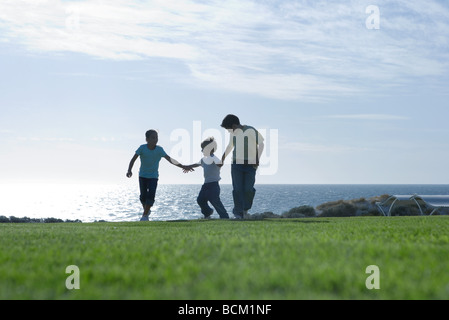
{"x": 317, "y": 148}
{"x": 377, "y": 117}
{"x": 309, "y": 50}
{"x": 44, "y": 139}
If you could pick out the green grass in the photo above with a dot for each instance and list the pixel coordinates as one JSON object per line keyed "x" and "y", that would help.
{"x": 271, "y": 259}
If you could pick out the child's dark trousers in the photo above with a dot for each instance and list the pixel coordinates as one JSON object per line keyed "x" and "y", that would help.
{"x": 210, "y": 192}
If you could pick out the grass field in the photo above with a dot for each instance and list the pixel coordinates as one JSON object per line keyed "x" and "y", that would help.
{"x": 315, "y": 258}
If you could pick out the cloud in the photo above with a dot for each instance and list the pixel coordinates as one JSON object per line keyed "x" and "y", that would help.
{"x": 284, "y": 86}
{"x": 46, "y": 139}
{"x": 374, "y": 117}
{"x": 306, "y": 147}
{"x": 292, "y": 50}
{"x": 117, "y": 30}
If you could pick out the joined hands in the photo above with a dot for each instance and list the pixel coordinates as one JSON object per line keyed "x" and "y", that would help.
{"x": 187, "y": 169}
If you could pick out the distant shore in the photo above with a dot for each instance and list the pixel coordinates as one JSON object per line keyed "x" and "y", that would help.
{"x": 12, "y": 219}
{"x": 340, "y": 208}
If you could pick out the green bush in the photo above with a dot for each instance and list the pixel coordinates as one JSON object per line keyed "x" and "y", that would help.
{"x": 300, "y": 212}
{"x": 4, "y": 219}
{"x": 261, "y": 216}
{"x": 339, "y": 209}
{"x": 405, "y": 211}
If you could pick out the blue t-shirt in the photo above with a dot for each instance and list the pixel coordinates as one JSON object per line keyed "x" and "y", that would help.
{"x": 149, "y": 161}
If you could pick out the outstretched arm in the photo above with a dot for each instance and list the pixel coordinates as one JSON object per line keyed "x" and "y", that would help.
{"x": 129, "y": 174}
{"x": 176, "y": 163}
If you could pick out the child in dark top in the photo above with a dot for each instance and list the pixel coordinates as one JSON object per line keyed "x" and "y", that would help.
{"x": 210, "y": 191}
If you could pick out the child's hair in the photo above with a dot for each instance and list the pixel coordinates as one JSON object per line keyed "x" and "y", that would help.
{"x": 149, "y": 133}
{"x": 209, "y": 145}
{"x": 230, "y": 120}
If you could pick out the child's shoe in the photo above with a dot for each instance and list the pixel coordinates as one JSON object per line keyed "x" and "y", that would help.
{"x": 208, "y": 216}
{"x": 145, "y": 218}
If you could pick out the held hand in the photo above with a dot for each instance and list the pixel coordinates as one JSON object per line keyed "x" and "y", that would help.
{"x": 187, "y": 169}
{"x": 221, "y": 164}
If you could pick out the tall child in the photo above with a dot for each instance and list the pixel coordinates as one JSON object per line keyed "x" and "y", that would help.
{"x": 150, "y": 155}
{"x": 246, "y": 145}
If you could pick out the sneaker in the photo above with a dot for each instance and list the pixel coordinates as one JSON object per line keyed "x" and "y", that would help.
{"x": 208, "y": 216}
{"x": 238, "y": 217}
{"x": 145, "y": 218}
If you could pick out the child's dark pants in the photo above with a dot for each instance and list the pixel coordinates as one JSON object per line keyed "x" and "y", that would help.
{"x": 210, "y": 192}
{"x": 147, "y": 191}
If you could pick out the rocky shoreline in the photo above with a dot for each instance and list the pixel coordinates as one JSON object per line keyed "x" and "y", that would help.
{"x": 346, "y": 208}
{"x": 340, "y": 208}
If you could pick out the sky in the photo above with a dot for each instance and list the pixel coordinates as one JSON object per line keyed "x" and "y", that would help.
{"x": 345, "y": 92}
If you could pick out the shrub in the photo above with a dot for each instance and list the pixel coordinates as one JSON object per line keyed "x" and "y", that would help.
{"x": 261, "y": 216}
{"x": 371, "y": 212}
{"x": 339, "y": 209}
{"x": 13, "y": 219}
{"x": 52, "y": 220}
{"x": 405, "y": 211}
{"x": 73, "y": 221}
{"x": 299, "y": 212}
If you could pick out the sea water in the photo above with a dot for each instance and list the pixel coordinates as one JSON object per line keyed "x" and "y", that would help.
{"x": 175, "y": 202}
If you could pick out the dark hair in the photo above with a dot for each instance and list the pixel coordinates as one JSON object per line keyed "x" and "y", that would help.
{"x": 209, "y": 141}
{"x": 149, "y": 133}
{"x": 229, "y": 121}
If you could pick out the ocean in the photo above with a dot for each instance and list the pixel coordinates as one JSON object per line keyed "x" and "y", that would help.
{"x": 116, "y": 203}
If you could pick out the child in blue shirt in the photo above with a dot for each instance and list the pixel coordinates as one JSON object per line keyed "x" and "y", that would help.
{"x": 150, "y": 155}
{"x": 210, "y": 191}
